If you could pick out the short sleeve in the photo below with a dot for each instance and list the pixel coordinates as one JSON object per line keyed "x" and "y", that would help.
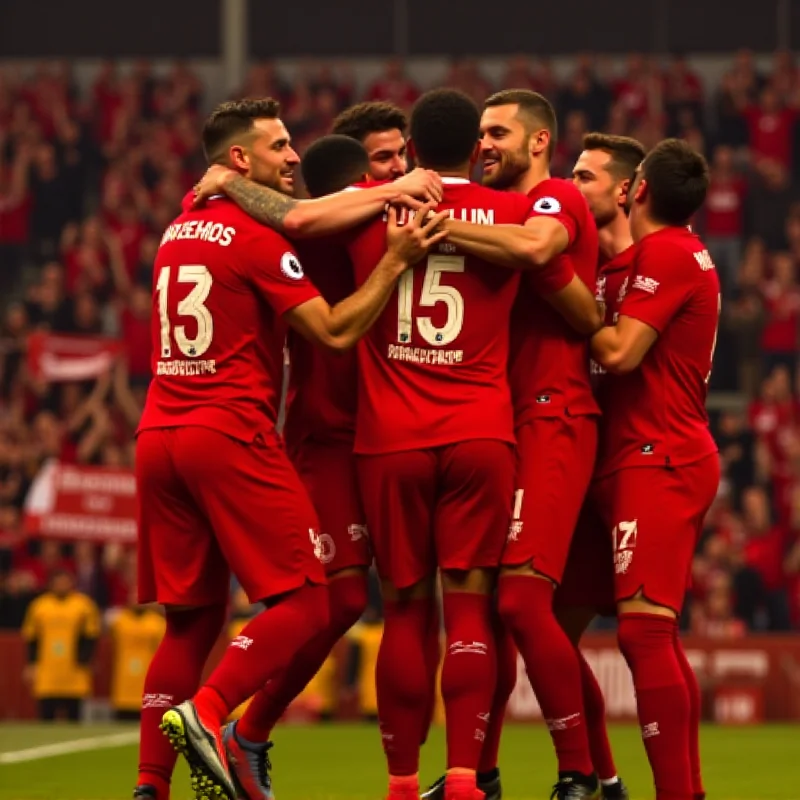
{"x": 661, "y": 281}
{"x": 553, "y": 277}
{"x": 274, "y": 269}
{"x": 561, "y": 206}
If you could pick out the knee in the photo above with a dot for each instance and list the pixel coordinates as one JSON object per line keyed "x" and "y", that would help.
{"x": 347, "y": 599}
{"x": 311, "y": 607}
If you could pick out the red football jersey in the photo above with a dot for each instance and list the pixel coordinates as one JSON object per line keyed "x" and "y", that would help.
{"x": 323, "y": 385}
{"x": 433, "y": 369}
{"x": 221, "y": 284}
{"x": 611, "y": 288}
{"x": 656, "y": 415}
{"x": 549, "y": 367}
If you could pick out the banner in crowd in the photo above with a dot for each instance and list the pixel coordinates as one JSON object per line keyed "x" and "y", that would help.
{"x": 73, "y": 502}
{"x": 56, "y": 357}
{"x": 744, "y": 681}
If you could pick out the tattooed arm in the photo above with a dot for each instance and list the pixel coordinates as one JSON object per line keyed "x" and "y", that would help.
{"x": 324, "y": 215}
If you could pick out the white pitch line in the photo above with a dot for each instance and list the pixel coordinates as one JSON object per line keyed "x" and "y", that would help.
{"x": 65, "y": 748}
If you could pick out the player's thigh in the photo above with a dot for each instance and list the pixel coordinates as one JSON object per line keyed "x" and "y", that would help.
{"x": 399, "y": 494}
{"x": 328, "y": 471}
{"x": 179, "y": 560}
{"x": 474, "y": 505}
{"x": 588, "y": 580}
{"x": 259, "y": 511}
{"x": 656, "y": 517}
{"x": 555, "y": 460}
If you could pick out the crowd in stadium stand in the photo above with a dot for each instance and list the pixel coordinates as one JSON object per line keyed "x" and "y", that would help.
{"x": 89, "y": 180}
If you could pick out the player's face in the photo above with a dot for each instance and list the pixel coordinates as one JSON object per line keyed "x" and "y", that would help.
{"x": 604, "y": 195}
{"x": 387, "y": 154}
{"x": 272, "y": 161}
{"x": 504, "y": 147}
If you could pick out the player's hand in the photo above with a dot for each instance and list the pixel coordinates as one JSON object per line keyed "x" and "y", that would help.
{"x": 213, "y": 182}
{"x": 424, "y": 184}
{"x": 410, "y": 238}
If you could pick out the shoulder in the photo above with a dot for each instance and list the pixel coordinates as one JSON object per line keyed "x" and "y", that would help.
{"x": 556, "y": 195}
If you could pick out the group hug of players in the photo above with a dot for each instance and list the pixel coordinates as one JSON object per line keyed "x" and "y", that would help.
{"x": 501, "y": 386}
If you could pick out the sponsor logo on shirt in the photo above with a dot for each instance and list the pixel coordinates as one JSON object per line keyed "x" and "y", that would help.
{"x": 291, "y": 267}
{"x": 645, "y": 284}
{"x": 547, "y": 205}
{"x": 242, "y": 642}
{"x": 623, "y": 290}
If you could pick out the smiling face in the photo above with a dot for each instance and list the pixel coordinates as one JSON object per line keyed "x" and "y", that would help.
{"x": 505, "y": 146}
{"x": 387, "y": 154}
{"x": 267, "y": 157}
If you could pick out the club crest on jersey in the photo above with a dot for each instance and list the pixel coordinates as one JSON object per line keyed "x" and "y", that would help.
{"x": 291, "y": 267}
{"x": 644, "y": 284}
{"x": 600, "y": 289}
{"x": 547, "y": 205}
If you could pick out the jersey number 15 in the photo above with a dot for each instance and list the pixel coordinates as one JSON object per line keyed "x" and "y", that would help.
{"x": 432, "y": 293}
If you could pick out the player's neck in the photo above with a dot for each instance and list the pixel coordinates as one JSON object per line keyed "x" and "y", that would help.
{"x": 615, "y": 237}
{"x": 646, "y": 226}
{"x": 529, "y": 180}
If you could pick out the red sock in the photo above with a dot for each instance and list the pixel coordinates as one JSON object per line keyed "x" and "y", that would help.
{"x": 506, "y": 652}
{"x": 647, "y": 642}
{"x": 694, "y": 719}
{"x": 347, "y": 597}
{"x": 433, "y": 656}
{"x": 401, "y": 679}
{"x": 173, "y": 676}
{"x": 263, "y": 649}
{"x": 526, "y": 605}
{"x": 469, "y": 674}
{"x": 595, "y": 707}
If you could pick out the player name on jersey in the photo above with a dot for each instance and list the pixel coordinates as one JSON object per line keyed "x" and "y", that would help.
{"x": 206, "y": 231}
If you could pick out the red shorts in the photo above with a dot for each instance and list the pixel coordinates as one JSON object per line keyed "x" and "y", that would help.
{"x": 555, "y": 460}
{"x": 445, "y": 507}
{"x": 208, "y": 505}
{"x": 655, "y": 516}
{"x": 588, "y": 580}
{"x": 328, "y": 471}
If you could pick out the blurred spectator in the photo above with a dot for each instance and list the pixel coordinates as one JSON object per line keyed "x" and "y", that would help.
{"x": 724, "y": 215}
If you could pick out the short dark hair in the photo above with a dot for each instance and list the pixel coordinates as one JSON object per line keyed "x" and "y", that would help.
{"x": 362, "y": 119}
{"x": 626, "y": 153}
{"x": 534, "y": 108}
{"x": 677, "y": 181}
{"x": 332, "y": 163}
{"x": 445, "y": 127}
{"x": 232, "y": 119}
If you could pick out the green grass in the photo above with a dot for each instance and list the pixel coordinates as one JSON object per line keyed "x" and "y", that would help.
{"x": 344, "y": 762}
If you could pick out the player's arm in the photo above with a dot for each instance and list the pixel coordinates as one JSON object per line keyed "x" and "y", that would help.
{"x": 528, "y": 246}
{"x": 320, "y": 216}
{"x": 622, "y": 347}
{"x": 339, "y": 327}
{"x": 577, "y": 305}
{"x": 661, "y": 280}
